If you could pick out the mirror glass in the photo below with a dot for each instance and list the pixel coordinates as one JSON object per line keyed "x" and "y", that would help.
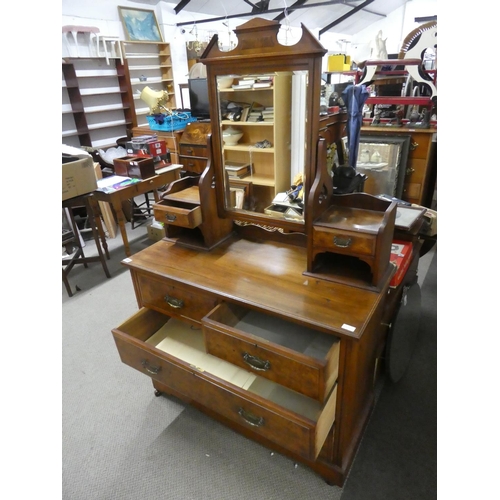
{"x": 263, "y": 127}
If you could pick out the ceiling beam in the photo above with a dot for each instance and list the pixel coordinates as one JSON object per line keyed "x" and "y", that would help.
{"x": 344, "y": 17}
{"x": 270, "y": 11}
{"x": 181, "y": 5}
{"x": 289, "y": 10}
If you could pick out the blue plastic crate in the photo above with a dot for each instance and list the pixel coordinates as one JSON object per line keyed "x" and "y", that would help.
{"x": 169, "y": 123}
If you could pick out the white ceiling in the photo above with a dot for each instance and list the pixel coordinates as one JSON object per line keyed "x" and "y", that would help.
{"x": 317, "y": 16}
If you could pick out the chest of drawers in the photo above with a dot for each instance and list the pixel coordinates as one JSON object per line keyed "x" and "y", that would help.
{"x": 284, "y": 359}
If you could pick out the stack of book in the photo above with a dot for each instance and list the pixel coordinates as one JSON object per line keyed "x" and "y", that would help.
{"x": 263, "y": 81}
{"x": 255, "y": 112}
{"x": 237, "y": 169}
{"x": 268, "y": 114}
{"x": 253, "y": 82}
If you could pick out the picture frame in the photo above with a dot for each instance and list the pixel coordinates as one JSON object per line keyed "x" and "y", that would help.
{"x": 387, "y": 175}
{"x": 140, "y": 25}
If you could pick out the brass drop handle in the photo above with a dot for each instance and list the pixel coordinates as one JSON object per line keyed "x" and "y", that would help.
{"x": 190, "y": 151}
{"x": 251, "y": 419}
{"x": 171, "y": 218}
{"x": 150, "y": 368}
{"x": 342, "y": 242}
{"x": 256, "y": 363}
{"x": 173, "y": 302}
{"x": 413, "y": 145}
{"x": 410, "y": 171}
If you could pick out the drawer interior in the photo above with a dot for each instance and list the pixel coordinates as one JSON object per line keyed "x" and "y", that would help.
{"x": 180, "y": 204}
{"x": 278, "y": 331}
{"x": 186, "y": 343}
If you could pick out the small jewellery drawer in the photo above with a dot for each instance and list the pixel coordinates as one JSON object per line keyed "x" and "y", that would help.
{"x": 292, "y": 355}
{"x": 172, "y": 352}
{"x": 178, "y": 213}
{"x": 348, "y": 242}
{"x": 196, "y": 165}
{"x": 193, "y": 150}
{"x": 167, "y": 296}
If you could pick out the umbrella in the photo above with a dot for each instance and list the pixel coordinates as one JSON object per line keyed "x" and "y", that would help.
{"x": 354, "y": 97}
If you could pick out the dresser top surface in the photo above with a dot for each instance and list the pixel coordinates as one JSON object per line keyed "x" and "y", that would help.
{"x": 267, "y": 276}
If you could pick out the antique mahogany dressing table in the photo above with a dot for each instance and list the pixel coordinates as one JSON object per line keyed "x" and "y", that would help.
{"x": 245, "y": 328}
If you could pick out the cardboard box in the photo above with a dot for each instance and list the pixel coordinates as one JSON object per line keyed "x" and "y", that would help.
{"x": 155, "y": 233}
{"x": 339, "y": 62}
{"x": 401, "y": 253}
{"x": 78, "y": 176}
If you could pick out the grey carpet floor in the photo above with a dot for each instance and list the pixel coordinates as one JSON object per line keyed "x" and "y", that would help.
{"x": 119, "y": 441}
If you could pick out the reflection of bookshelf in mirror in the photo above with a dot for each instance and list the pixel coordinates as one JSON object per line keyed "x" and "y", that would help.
{"x": 270, "y": 166}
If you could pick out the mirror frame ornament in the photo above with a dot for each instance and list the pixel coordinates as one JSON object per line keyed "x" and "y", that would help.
{"x": 258, "y": 50}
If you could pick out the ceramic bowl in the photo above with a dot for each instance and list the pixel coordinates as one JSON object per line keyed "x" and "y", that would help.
{"x": 224, "y": 82}
{"x": 231, "y": 136}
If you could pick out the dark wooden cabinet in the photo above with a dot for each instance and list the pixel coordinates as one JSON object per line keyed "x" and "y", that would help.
{"x": 421, "y": 167}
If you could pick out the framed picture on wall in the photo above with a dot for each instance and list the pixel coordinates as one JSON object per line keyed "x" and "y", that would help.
{"x": 140, "y": 25}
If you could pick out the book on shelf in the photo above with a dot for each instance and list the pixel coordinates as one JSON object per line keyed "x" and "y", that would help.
{"x": 236, "y": 165}
{"x": 262, "y": 85}
{"x": 242, "y": 85}
{"x": 239, "y": 175}
{"x": 237, "y": 168}
{"x": 244, "y": 113}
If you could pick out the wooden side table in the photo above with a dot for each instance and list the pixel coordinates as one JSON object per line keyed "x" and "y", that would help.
{"x": 115, "y": 198}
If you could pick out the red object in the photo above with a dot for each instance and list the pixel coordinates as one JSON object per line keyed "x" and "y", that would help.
{"x": 147, "y": 148}
{"x": 401, "y": 252}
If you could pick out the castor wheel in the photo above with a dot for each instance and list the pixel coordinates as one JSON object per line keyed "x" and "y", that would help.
{"x": 158, "y": 393}
{"x": 403, "y": 333}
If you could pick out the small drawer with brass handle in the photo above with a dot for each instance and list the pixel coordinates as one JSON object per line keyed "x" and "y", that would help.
{"x": 178, "y": 213}
{"x": 174, "y": 300}
{"x": 294, "y": 356}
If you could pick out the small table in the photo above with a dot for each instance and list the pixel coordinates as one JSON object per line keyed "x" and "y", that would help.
{"x": 164, "y": 176}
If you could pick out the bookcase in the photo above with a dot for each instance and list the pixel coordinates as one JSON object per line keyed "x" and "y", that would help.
{"x": 96, "y": 102}
{"x": 148, "y": 64}
{"x": 270, "y": 166}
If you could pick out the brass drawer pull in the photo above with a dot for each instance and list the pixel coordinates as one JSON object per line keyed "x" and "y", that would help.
{"x": 256, "y": 363}
{"x": 171, "y": 218}
{"x": 154, "y": 370}
{"x": 342, "y": 242}
{"x": 173, "y": 302}
{"x": 251, "y": 419}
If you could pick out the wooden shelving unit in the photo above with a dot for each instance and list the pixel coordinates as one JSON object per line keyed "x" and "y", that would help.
{"x": 96, "y": 102}
{"x": 270, "y": 166}
{"x": 147, "y": 64}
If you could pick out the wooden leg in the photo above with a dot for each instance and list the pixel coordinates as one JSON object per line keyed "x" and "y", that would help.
{"x": 97, "y": 218}
{"x": 121, "y": 223}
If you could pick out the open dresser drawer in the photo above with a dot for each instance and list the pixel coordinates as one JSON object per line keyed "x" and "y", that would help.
{"x": 295, "y": 356}
{"x": 173, "y": 353}
{"x": 178, "y": 213}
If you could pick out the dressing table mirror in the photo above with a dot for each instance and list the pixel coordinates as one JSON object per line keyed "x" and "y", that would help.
{"x": 264, "y": 99}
